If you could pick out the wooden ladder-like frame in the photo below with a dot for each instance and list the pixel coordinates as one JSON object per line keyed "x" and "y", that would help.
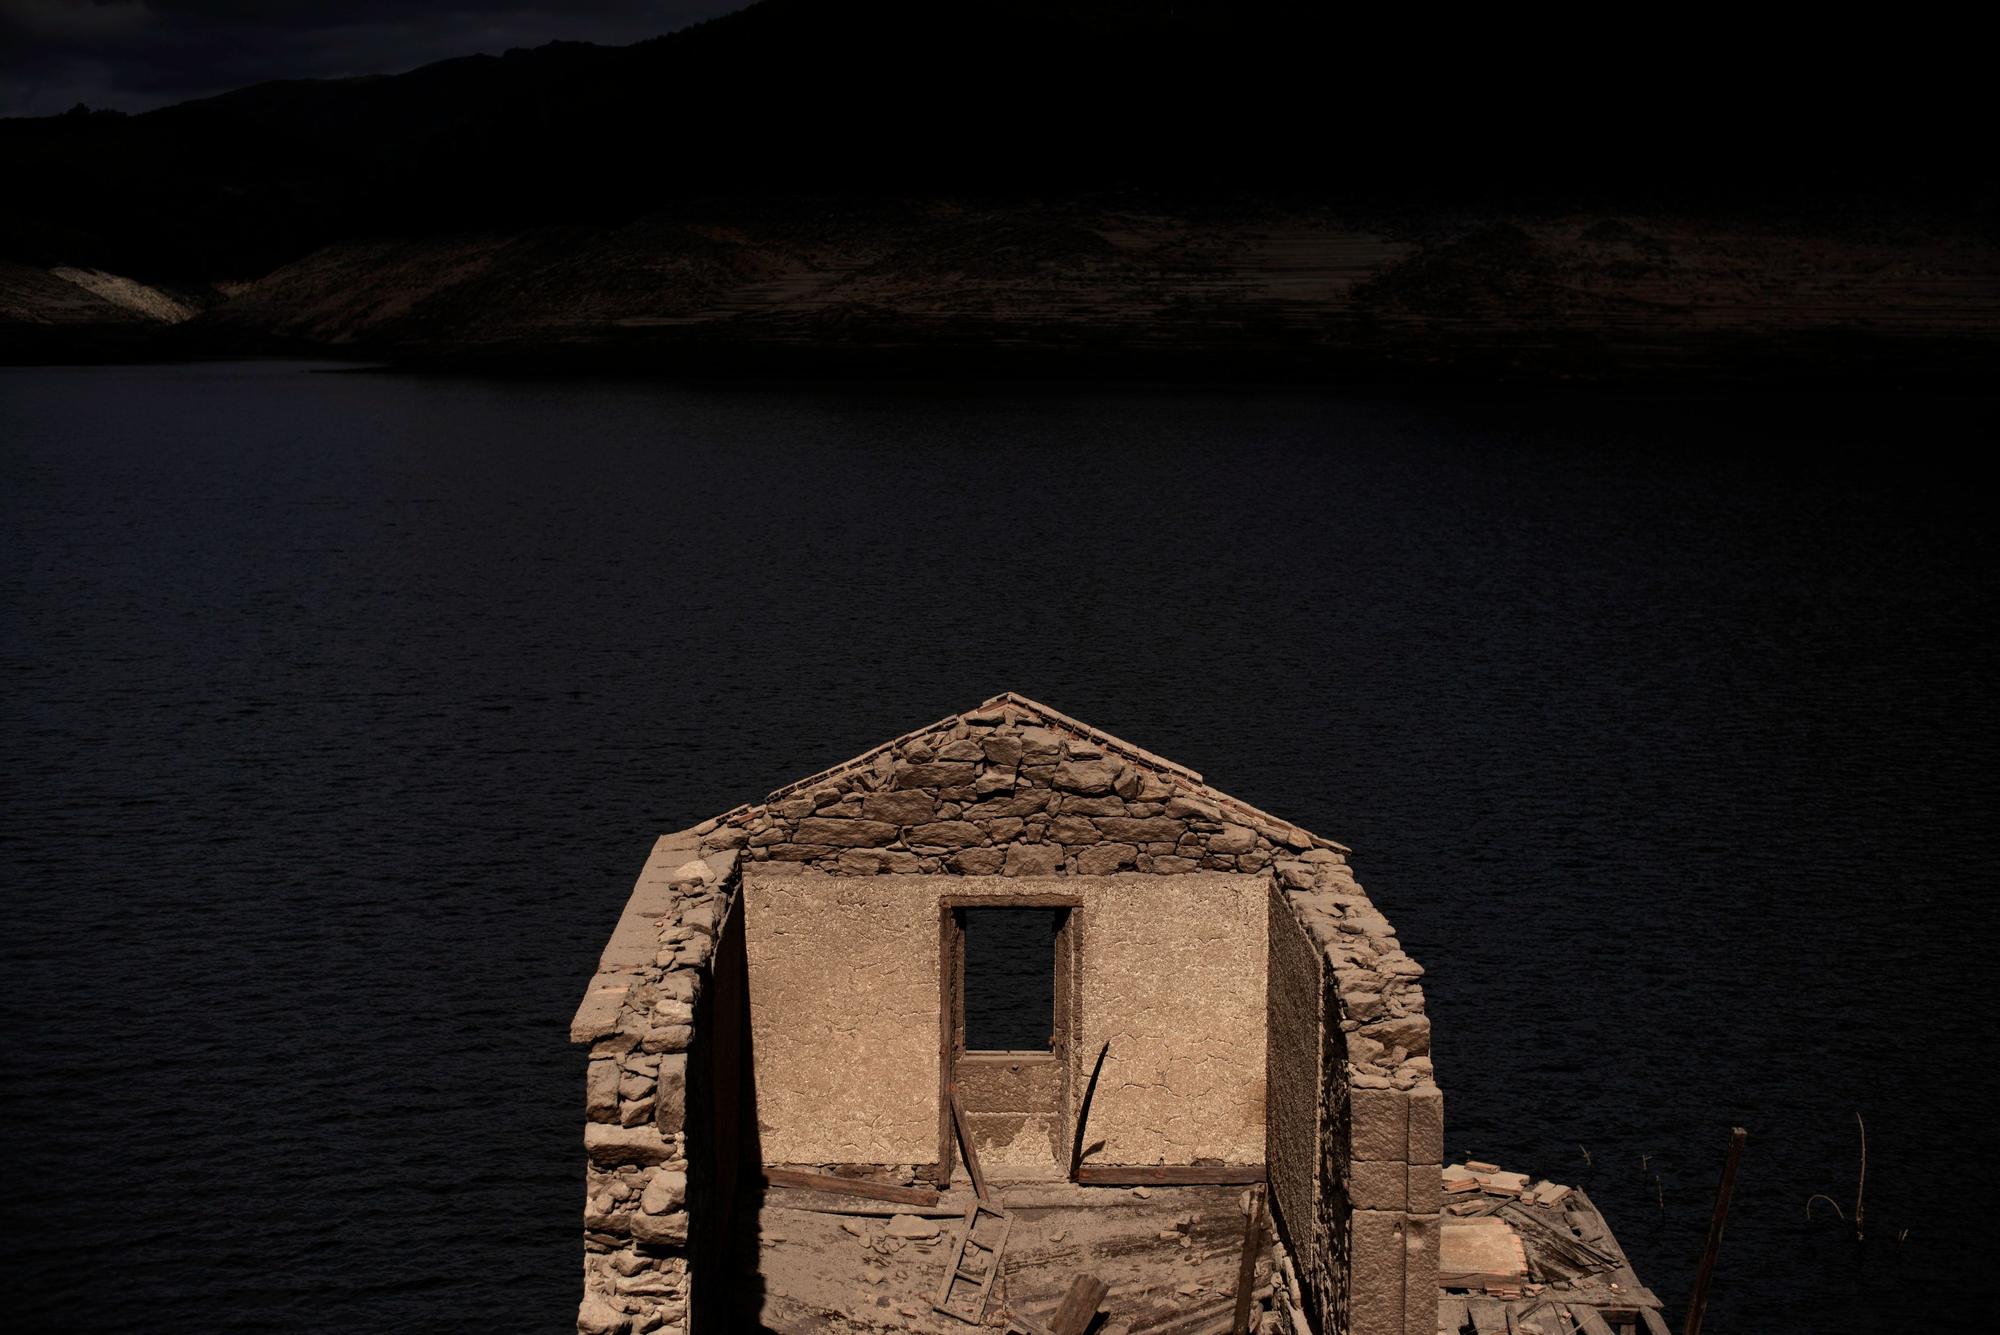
{"x": 955, "y": 1268}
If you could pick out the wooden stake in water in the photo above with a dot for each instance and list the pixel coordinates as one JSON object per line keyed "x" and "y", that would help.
{"x": 1699, "y": 1302}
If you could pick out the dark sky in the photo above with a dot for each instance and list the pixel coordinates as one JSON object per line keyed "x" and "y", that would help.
{"x": 134, "y": 55}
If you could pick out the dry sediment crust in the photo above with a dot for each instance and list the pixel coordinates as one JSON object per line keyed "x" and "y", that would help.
{"x": 1017, "y": 792}
{"x": 844, "y": 1012}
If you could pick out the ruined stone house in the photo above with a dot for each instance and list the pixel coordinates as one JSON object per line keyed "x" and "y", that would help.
{"x": 785, "y": 991}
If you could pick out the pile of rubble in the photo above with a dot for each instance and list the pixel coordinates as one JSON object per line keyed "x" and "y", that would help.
{"x": 1517, "y": 1257}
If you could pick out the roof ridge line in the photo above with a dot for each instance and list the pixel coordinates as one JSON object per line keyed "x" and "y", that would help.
{"x": 1098, "y": 735}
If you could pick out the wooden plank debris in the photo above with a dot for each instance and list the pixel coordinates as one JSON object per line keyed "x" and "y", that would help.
{"x": 1246, "y": 1269}
{"x": 1587, "y": 1320}
{"x": 850, "y": 1186}
{"x": 1079, "y": 1305}
{"x": 827, "y": 1202}
{"x": 965, "y": 1146}
{"x": 1698, "y": 1304}
{"x": 1170, "y": 1175}
{"x": 1489, "y": 1315}
{"x": 955, "y": 1270}
{"x": 1083, "y": 1114}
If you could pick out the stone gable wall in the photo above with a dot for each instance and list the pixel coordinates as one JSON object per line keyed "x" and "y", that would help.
{"x": 1006, "y": 790}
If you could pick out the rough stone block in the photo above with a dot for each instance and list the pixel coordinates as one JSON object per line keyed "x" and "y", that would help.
{"x": 978, "y": 861}
{"x": 670, "y": 1109}
{"x": 1232, "y": 839}
{"x": 1128, "y": 829}
{"x": 1105, "y": 859}
{"x": 609, "y": 1145}
{"x": 1380, "y": 1185}
{"x": 1411, "y": 1033}
{"x": 845, "y": 833}
{"x": 1426, "y": 1124}
{"x": 1379, "y": 1125}
{"x": 670, "y": 1230}
{"x": 600, "y": 1091}
{"x": 1376, "y": 1272}
{"x": 602, "y": 1001}
{"x": 666, "y": 1191}
{"x": 900, "y": 808}
{"x": 946, "y": 775}
{"x": 1425, "y": 1193}
{"x": 1420, "y": 1272}
{"x": 668, "y": 1038}
{"x": 1086, "y": 776}
{"x": 946, "y": 834}
{"x": 1033, "y": 859}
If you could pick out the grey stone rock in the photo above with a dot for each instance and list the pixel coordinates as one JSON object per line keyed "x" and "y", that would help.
{"x": 668, "y": 1038}
{"x": 978, "y": 861}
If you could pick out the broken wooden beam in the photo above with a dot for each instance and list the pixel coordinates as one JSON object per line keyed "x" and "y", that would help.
{"x": 1083, "y": 1114}
{"x": 1587, "y": 1320}
{"x": 850, "y": 1186}
{"x": 1698, "y": 1304}
{"x": 1079, "y": 1305}
{"x": 1170, "y": 1175}
{"x": 965, "y": 1144}
{"x": 821, "y": 1202}
{"x": 1246, "y": 1268}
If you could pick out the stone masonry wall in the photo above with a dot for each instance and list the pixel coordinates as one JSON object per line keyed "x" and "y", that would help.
{"x": 1366, "y": 1252}
{"x": 647, "y": 1087}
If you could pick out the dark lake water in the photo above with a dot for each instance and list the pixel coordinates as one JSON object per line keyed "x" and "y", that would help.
{"x": 340, "y": 711}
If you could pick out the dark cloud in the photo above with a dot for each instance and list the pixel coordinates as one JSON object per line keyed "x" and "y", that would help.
{"x": 134, "y": 55}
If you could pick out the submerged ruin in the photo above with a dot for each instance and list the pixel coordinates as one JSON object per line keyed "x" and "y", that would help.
{"x": 801, "y": 1115}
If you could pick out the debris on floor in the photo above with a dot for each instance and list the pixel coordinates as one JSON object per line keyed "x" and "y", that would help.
{"x": 1521, "y": 1259}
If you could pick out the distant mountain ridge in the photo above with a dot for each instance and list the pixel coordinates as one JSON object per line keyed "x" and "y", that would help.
{"x": 1004, "y": 98}
{"x": 1104, "y": 187}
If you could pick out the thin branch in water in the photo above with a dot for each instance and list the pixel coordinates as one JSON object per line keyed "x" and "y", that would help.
{"x": 1586, "y": 1157}
{"x": 1831, "y": 1204}
{"x": 1862, "y": 1181}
